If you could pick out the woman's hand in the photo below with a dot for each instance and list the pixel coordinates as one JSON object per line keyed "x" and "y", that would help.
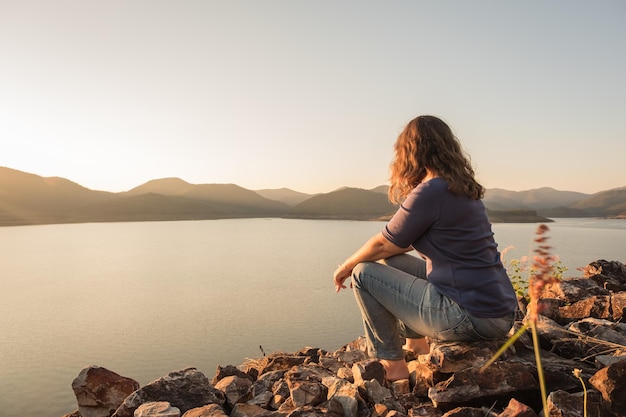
{"x": 376, "y": 248}
{"x": 339, "y": 277}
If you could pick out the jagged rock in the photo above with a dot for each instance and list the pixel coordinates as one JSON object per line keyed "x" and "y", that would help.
{"x": 184, "y": 389}
{"x": 247, "y": 410}
{"x": 73, "y": 414}
{"x": 599, "y": 329}
{"x": 375, "y": 392}
{"x": 566, "y": 343}
{"x": 266, "y": 382}
{"x": 424, "y": 374}
{"x": 607, "y": 274}
{"x": 594, "y": 306}
{"x": 563, "y": 404}
{"x": 400, "y": 387}
{"x": 343, "y": 392}
{"x": 349, "y": 358}
{"x": 611, "y": 383}
{"x": 501, "y": 378}
{"x": 305, "y": 385}
{"x": 573, "y": 290}
{"x": 517, "y": 409}
{"x": 606, "y": 360}
{"x": 211, "y": 410}
{"x": 281, "y": 394}
{"x": 345, "y": 373}
{"x": 230, "y": 370}
{"x": 366, "y": 370}
{"x": 157, "y": 409}
{"x": 453, "y": 357}
{"x": 332, "y": 364}
{"x": 235, "y": 388}
{"x": 425, "y": 410}
{"x": 100, "y": 391}
{"x": 465, "y": 412}
{"x": 618, "y": 305}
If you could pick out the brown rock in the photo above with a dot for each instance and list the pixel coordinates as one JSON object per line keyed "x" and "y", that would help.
{"x": 235, "y": 388}
{"x": 465, "y": 412}
{"x": 100, "y": 391}
{"x": 425, "y": 410}
{"x": 223, "y": 372}
{"x": 157, "y": 409}
{"x": 451, "y": 357}
{"x": 611, "y": 382}
{"x": 368, "y": 369}
{"x": 517, "y": 409}
{"x": 618, "y": 305}
{"x": 247, "y": 410}
{"x": 211, "y": 410}
{"x": 280, "y": 362}
{"x": 595, "y": 306}
{"x": 305, "y": 385}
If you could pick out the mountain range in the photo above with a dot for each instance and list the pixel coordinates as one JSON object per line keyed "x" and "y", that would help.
{"x": 27, "y": 198}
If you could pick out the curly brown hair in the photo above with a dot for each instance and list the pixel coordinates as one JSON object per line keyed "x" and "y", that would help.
{"x": 428, "y": 142}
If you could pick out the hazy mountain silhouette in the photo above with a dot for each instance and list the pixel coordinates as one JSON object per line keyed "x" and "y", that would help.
{"x": 27, "y": 198}
{"x": 237, "y": 198}
{"x": 540, "y": 198}
{"x": 346, "y": 203}
{"x": 284, "y": 195}
{"x": 605, "y": 203}
{"x": 30, "y": 199}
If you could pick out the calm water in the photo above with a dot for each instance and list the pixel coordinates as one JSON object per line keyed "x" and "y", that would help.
{"x": 144, "y": 299}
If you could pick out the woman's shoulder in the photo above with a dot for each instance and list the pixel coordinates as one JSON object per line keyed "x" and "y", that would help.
{"x": 434, "y": 185}
{"x": 426, "y": 192}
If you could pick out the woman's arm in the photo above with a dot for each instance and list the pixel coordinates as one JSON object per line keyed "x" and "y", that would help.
{"x": 376, "y": 248}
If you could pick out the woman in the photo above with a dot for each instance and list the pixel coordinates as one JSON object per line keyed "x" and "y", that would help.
{"x": 458, "y": 289}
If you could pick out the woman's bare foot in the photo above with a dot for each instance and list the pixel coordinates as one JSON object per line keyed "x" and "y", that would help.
{"x": 395, "y": 370}
{"x": 417, "y": 346}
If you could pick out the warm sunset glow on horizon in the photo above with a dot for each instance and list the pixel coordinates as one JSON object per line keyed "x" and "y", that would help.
{"x": 310, "y": 95}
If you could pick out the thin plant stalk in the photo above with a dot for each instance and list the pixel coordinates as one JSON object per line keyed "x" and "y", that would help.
{"x": 505, "y": 346}
{"x": 542, "y": 381}
{"x": 578, "y": 374}
{"x": 543, "y": 265}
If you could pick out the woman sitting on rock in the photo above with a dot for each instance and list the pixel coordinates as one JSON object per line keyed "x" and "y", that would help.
{"x": 457, "y": 289}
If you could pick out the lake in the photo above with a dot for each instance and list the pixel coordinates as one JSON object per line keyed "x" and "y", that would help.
{"x": 143, "y": 299}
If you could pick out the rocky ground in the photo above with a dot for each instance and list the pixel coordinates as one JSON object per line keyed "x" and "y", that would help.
{"x": 582, "y": 349}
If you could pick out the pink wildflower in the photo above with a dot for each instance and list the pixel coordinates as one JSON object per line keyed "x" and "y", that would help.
{"x": 543, "y": 266}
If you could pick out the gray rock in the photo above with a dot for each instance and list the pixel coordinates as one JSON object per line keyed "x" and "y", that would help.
{"x": 562, "y": 403}
{"x": 184, "y": 389}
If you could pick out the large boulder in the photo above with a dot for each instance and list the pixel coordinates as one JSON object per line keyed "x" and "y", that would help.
{"x": 100, "y": 391}
{"x": 184, "y": 389}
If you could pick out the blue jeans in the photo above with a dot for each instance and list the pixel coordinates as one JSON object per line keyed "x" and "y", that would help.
{"x": 397, "y": 301}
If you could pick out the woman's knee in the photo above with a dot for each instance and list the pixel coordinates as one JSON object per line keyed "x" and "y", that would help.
{"x": 359, "y": 274}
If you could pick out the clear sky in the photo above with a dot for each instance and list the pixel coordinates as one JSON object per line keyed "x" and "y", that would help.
{"x": 311, "y": 95}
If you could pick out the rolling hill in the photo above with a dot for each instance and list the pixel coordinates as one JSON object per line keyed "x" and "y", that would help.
{"x": 345, "y": 203}
{"x": 31, "y": 199}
